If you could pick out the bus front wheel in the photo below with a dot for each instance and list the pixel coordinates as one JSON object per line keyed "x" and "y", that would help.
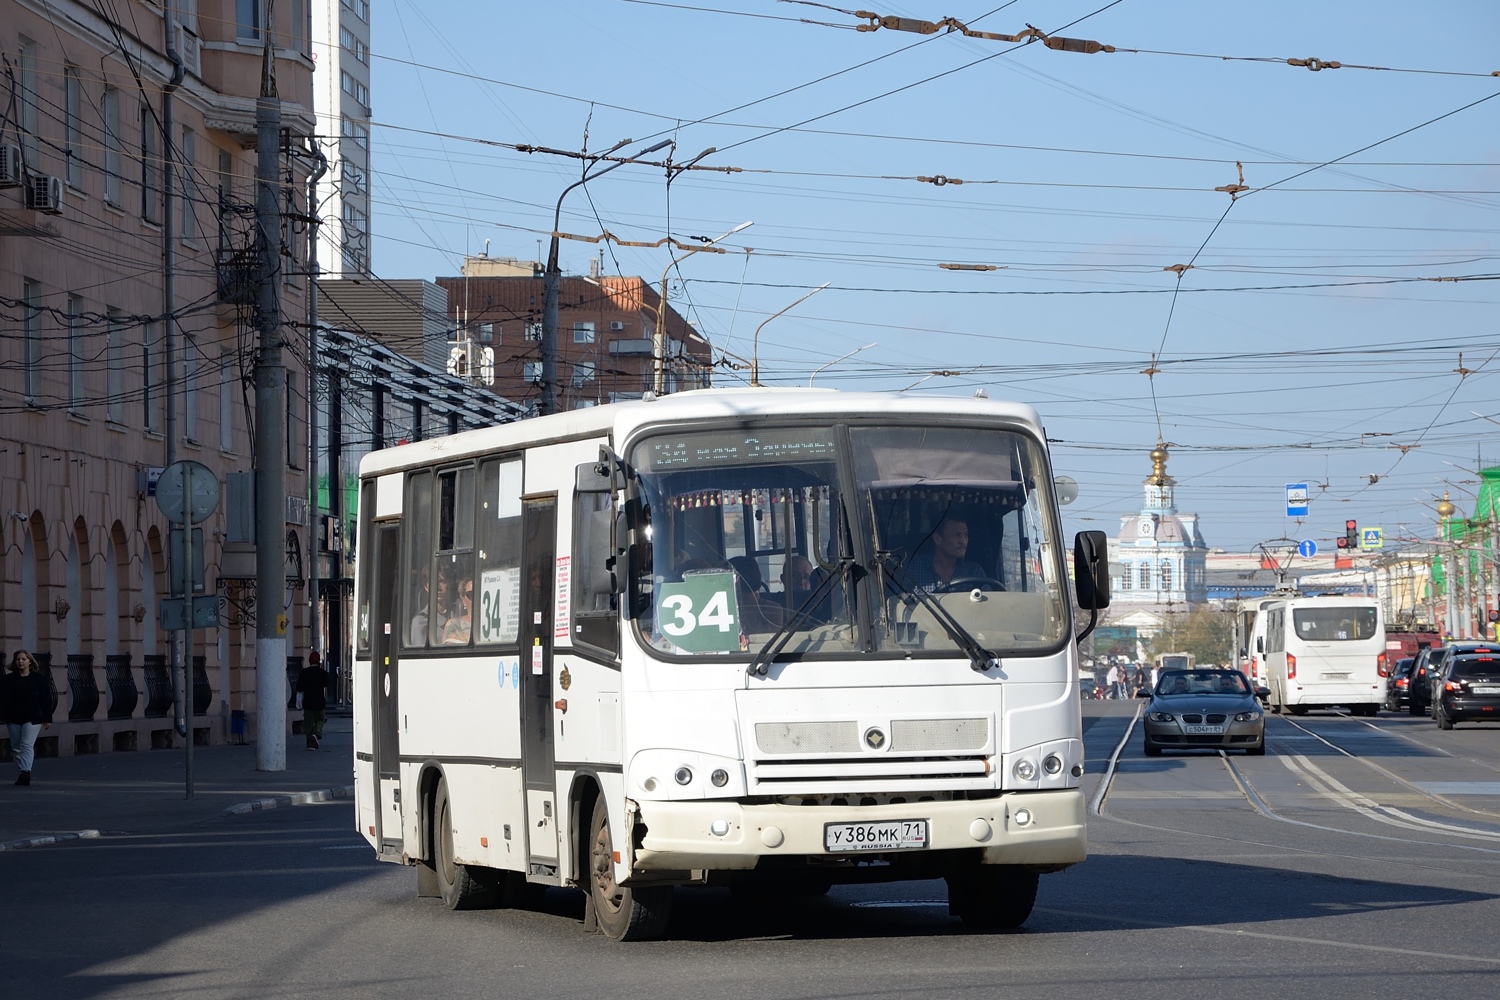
{"x": 624, "y": 913}
{"x": 462, "y": 887}
{"x": 996, "y": 896}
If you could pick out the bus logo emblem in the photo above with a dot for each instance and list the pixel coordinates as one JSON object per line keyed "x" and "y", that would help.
{"x": 874, "y": 738}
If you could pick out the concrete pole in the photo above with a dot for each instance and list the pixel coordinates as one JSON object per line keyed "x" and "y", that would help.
{"x": 179, "y": 647}
{"x": 270, "y": 440}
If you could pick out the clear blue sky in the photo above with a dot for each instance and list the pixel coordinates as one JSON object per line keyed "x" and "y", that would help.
{"x": 1298, "y": 347}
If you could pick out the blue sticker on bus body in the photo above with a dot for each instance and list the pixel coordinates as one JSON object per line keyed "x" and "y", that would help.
{"x": 515, "y": 674}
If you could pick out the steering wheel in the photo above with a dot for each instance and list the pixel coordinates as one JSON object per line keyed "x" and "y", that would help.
{"x": 959, "y": 583}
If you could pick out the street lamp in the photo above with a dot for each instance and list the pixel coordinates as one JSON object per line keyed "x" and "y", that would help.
{"x": 755, "y": 341}
{"x": 552, "y": 277}
{"x": 659, "y": 336}
{"x": 842, "y": 357}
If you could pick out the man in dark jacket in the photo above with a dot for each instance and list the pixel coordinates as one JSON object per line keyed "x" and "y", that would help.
{"x": 313, "y": 683}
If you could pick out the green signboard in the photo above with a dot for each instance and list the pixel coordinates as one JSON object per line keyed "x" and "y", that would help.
{"x": 700, "y": 614}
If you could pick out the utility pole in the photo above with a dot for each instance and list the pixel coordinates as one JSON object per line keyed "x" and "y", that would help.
{"x": 270, "y": 437}
{"x": 314, "y": 601}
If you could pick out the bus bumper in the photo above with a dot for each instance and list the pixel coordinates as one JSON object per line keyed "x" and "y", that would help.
{"x": 681, "y": 835}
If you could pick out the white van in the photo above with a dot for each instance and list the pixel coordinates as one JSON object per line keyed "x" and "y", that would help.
{"x": 1322, "y": 651}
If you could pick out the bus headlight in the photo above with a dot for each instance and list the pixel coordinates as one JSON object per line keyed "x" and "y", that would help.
{"x": 720, "y": 778}
{"x": 1052, "y": 764}
{"x": 1024, "y": 769}
{"x": 683, "y": 776}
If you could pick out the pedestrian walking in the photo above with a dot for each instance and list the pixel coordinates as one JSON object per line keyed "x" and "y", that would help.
{"x": 313, "y": 683}
{"x": 1114, "y": 680}
{"x": 27, "y": 703}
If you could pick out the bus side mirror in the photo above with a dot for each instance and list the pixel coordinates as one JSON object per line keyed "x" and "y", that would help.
{"x": 1091, "y": 570}
{"x": 592, "y": 477}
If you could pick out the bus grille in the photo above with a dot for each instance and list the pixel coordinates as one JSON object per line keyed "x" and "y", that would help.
{"x": 807, "y": 737}
{"x": 907, "y": 736}
{"x": 919, "y": 735}
{"x": 888, "y": 773}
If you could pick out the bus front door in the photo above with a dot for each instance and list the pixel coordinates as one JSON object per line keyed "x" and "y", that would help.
{"x": 539, "y": 555}
{"x": 387, "y": 715}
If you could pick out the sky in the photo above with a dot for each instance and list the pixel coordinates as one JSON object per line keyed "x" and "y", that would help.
{"x": 1333, "y": 323}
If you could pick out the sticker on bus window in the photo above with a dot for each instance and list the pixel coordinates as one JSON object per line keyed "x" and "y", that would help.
{"x": 700, "y": 614}
{"x": 562, "y": 614}
{"x": 500, "y": 605}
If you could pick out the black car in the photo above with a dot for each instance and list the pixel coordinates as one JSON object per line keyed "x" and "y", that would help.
{"x": 1419, "y": 681}
{"x": 1398, "y": 685}
{"x": 1466, "y": 685}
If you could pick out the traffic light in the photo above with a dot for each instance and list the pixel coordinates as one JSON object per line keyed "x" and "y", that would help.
{"x": 1351, "y": 534}
{"x": 1341, "y": 543}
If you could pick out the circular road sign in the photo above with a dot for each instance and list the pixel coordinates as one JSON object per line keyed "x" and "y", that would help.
{"x": 1307, "y": 548}
{"x": 187, "y": 489}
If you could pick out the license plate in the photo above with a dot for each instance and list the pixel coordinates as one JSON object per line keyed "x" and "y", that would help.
{"x": 1337, "y": 677}
{"x": 1203, "y": 730}
{"x": 888, "y": 835}
{"x": 1487, "y": 689}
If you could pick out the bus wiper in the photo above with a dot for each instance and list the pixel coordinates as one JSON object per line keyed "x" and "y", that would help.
{"x": 778, "y": 640}
{"x": 980, "y": 659}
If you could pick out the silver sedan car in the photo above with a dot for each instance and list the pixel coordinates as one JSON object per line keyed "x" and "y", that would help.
{"x": 1204, "y": 710}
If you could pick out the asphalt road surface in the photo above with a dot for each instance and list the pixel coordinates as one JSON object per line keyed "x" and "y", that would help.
{"x": 1358, "y": 858}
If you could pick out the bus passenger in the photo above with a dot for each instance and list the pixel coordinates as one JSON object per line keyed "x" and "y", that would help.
{"x": 456, "y": 629}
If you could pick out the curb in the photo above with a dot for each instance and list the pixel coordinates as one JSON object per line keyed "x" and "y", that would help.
{"x": 295, "y": 799}
{"x": 47, "y": 841}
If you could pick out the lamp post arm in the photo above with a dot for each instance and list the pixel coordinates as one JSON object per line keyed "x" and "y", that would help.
{"x": 755, "y": 341}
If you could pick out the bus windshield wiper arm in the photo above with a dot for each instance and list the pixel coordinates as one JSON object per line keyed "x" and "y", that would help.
{"x": 778, "y": 640}
{"x": 980, "y": 659}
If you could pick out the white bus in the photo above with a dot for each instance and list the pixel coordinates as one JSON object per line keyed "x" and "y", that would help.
{"x": 1322, "y": 651}
{"x": 782, "y": 637}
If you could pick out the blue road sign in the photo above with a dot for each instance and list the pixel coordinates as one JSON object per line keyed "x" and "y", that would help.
{"x": 1296, "y": 499}
{"x": 1307, "y": 548}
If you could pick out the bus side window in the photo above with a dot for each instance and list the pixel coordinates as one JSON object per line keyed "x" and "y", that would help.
{"x": 416, "y": 527}
{"x": 596, "y": 624}
{"x": 497, "y": 592}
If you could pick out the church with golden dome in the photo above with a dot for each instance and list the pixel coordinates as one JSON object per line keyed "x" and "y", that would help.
{"x": 1160, "y": 556}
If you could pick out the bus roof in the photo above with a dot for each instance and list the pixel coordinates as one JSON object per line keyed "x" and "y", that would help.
{"x": 622, "y": 420}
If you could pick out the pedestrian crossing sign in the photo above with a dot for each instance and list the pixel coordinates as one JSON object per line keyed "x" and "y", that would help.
{"x": 1372, "y": 538}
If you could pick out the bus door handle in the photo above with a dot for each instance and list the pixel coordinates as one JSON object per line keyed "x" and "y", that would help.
{"x": 561, "y": 705}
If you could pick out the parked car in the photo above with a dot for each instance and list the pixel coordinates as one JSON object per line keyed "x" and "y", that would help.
{"x": 1203, "y": 710}
{"x": 1088, "y": 687}
{"x": 1419, "y": 681}
{"x": 1466, "y": 683}
{"x": 1397, "y": 693}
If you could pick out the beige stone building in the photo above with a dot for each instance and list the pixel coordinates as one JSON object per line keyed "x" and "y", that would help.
{"x": 87, "y": 231}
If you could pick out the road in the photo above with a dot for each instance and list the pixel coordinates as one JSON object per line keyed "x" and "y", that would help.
{"x": 1359, "y": 858}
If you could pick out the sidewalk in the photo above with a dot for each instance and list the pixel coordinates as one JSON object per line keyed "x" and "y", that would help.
{"x": 144, "y": 791}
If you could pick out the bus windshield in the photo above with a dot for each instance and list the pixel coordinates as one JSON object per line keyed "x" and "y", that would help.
{"x": 1334, "y": 624}
{"x": 883, "y": 541}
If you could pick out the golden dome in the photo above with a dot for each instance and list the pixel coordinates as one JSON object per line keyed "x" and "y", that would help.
{"x": 1445, "y": 509}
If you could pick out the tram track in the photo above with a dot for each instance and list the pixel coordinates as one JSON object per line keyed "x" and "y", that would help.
{"x": 1391, "y": 775}
{"x": 1098, "y": 808}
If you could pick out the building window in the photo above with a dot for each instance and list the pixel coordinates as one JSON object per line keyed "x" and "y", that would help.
{"x": 1143, "y": 577}
{"x": 353, "y": 177}
{"x": 533, "y": 331}
{"x": 361, "y": 8}
{"x": 77, "y": 362}
{"x": 531, "y": 371}
{"x": 351, "y": 129}
{"x": 247, "y": 18}
{"x": 189, "y": 388}
{"x": 28, "y": 102}
{"x": 583, "y": 373}
{"x": 226, "y": 401}
{"x": 487, "y": 333}
{"x": 150, "y": 383}
{"x": 1126, "y": 577}
{"x": 583, "y": 332}
{"x": 31, "y": 332}
{"x": 150, "y": 167}
{"x": 189, "y": 225}
{"x": 73, "y": 126}
{"x": 1166, "y": 575}
{"x": 114, "y": 389}
{"x": 112, "y": 147}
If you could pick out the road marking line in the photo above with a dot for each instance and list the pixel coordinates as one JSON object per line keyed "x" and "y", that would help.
{"x": 1384, "y": 949}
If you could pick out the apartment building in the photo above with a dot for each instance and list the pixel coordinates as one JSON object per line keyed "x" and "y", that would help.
{"x": 118, "y": 168}
{"x": 341, "y": 96}
{"x": 605, "y": 340}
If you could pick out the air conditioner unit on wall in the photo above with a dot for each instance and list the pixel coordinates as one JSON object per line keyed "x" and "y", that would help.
{"x": 44, "y": 194}
{"x": 11, "y": 170}
{"x": 617, "y": 325}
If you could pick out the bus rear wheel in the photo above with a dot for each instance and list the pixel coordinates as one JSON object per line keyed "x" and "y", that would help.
{"x": 995, "y": 896}
{"x": 624, "y": 913}
{"x": 463, "y": 887}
